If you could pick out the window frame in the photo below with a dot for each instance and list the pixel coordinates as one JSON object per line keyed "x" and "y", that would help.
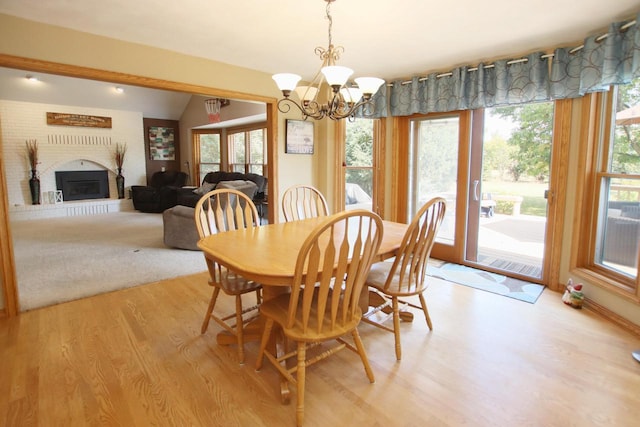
{"x": 378, "y": 167}
{"x": 196, "y": 151}
{"x": 595, "y": 145}
{"x": 248, "y": 161}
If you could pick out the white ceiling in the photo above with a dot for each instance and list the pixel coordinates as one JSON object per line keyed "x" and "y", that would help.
{"x": 386, "y": 39}
{"x": 391, "y": 40}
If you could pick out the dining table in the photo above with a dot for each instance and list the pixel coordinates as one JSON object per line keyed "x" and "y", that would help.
{"x": 267, "y": 254}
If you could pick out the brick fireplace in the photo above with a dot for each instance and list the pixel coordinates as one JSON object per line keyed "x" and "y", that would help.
{"x": 69, "y": 149}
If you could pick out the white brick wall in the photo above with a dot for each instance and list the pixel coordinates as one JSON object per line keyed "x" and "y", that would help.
{"x": 67, "y": 147}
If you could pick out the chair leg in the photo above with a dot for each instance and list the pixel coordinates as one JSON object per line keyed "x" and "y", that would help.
{"x": 263, "y": 343}
{"x": 240, "y": 329}
{"x": 423, "y": 303}
{"x": 396, "y": 327}
{"x": 300, "y": 379}
{"x": 363, "y": 355}
{"x": 212, "y": 303}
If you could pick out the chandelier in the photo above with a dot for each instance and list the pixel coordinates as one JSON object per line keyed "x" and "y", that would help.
{"x": 345, "y": 98}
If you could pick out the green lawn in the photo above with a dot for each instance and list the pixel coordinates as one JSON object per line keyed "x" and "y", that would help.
{"x": 533, "y": 202}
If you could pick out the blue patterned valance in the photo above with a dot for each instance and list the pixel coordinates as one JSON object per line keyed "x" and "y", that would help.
{"x": 568, "y": 73}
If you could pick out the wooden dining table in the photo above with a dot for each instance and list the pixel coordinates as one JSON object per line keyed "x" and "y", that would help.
{"x": 267, "y": 254}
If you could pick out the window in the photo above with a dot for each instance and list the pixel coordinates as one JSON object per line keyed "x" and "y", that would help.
{"x": 616, "y": 189}
{"x": 433, "y": 167}
{"x": 207, "y": 149}
{"x": 247, "y": 149}
{"x": 359, "y": 159}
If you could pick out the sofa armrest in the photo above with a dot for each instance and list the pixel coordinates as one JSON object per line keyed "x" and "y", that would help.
{"x": 186, "y": 197}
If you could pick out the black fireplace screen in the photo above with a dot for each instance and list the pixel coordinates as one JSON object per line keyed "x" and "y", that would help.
{"x": 82, "y": 185}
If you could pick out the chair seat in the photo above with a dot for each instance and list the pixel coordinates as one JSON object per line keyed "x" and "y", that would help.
{"x": 277, "y": 309}
{"x": 233, "y": 284}
{"x": 378, "y": 276}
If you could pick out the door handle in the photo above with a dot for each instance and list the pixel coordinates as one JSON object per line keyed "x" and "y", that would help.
{"x": 476, "y": 187}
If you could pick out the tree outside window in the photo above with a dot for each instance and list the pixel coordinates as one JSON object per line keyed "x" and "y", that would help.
{"x": 208, "y": 154}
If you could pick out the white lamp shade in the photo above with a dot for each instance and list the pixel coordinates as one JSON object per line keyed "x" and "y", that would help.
{"x": 286, "y": 81}
{"x": 351, "y": 95}
{"x": 306, "y": 93}
{"x": 369, "y": 85}
{"x": 336, "y": 75}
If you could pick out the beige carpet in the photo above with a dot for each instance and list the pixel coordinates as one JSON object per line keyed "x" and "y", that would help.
{"x": 62, "y": 259}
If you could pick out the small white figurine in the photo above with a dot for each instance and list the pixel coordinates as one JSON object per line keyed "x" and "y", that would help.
{"x": 573, "y": 295}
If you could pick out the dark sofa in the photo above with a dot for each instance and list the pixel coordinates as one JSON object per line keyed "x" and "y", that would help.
{"x": 160, "y": 194}
{"x": 187, "y": 197}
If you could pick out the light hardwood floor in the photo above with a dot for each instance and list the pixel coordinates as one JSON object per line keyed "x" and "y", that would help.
{"x": 136, "y": 358}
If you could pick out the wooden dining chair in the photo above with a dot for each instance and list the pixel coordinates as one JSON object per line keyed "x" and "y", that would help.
{"x": 303, "y": 201}
{"x": 405, "y": 276}
{"x": 330, "y": 270}
{"x": 219, "y": 211}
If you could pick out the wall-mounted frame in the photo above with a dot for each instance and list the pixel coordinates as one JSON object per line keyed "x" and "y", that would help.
{"x": 162, "y": 143}
{"x": 66, "y": 119}
{"x": 299, "y": 137}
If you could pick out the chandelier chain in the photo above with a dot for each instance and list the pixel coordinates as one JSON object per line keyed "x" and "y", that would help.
{"x": 332, "y": 53}
{"x": 328, "y": 12}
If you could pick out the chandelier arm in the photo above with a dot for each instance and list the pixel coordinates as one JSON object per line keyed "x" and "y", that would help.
{"x": 350, "y": 111}
{"x": 284, "y": 105}
{"x": 316, "y": 112}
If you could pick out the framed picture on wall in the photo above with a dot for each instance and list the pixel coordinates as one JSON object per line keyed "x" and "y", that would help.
{"x": 299, "y": 137}
{"x": 162, "y": 143}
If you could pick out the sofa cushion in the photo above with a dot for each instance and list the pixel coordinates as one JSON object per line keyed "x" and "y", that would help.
{"x": 204, "y": 188}
{"x": 187, "y": 197}
{"x": 219, "y": 176}
{"x": 247, "y": 187}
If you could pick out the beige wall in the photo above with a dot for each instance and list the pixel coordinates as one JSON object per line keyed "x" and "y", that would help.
{"x": 39, "y": 41}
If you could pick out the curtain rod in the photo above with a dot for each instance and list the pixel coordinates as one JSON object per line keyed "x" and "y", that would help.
{"x": 516, "y": 61}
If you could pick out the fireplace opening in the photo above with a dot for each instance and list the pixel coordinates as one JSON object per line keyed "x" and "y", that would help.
{"x": 83, "y": 185}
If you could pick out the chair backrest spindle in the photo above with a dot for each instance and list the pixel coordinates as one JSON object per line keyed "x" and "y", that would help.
{"x": 303, "y": 201}
{"x": 224, "y": 210}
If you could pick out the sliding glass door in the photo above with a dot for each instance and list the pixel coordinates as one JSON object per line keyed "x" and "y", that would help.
{"x": 509, "y": 183}
{"x": 492, "y": 167}
{"x": 436, "y": 149}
